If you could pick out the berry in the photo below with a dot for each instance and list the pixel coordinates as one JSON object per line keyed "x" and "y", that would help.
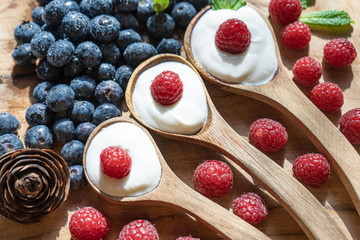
{"x": 41, "y": 90}
{"x": 36, "y": 15}
{"x": 57, "y": 31}
{"x": 41, "y": 42}
{"x": 108, "y": 92}
{"x": 182, "y": 13}
{"x": 126, "y": 37}
{"x": 123, "y": 74}
{"x": 22, "y": 54}
{"x": 54, "y": 12}
{"x": 43, "y": 2}
{"x": 9, "y": 142}
{"x": 296, "y": 35}
{"x": 350, "y": 125}
{"x": 39, "y": 136}
{"x": 169, "y": 45}
{"x": 60, "y": 98}
{"x": 83, "y": 131}
{"x": 73, "y": 68}
{"x": 47, "y": 72}
{"x": 8, "y": 123}
{"x": 166, "y": 88}
{"x": 139, "y": 229}
{"x": 285, "y": 11}
{"x": 72, "y": 152}
{"x": 88, "y": 223}
{"x": 104, "y": 28}
{"x": 144, "y": 10}
{"x": 101, "y": 7}
{"x": 307, "y": 71}
{"x": 127, "y": 20}
{"x": 76, "y": 26}
{"x": 77, "y": 177}
{"x": 115, "y": 162}
{"x": 138, "y": 52}
{"x": 233, "y": 36}
{"x": 104, "y": 112}
{"x": 268, "y": 135}
{"x": 187, "y": 238}
{"x": 160, "y": 25}
{"x": 82, "y": 111}
{"x": 25, "y": 31}
{"x": 105, "y": 71}
{"x": 339, "y": 52}
{"x": 312, "y": 169}
{"x": 89, "y": 54}
{"x": 110, "y": 53}
{"x": 250, "y": 207}
{"x": 328, "y": 97}
{"x": 213, "y": 178}
{"x": 126, "y": 5}
{"x": 72, "y": 5}
{"x": 60, "y": 53}
{"x": 38, "y": 114}
{"x": 85, "y": 7}
{"x": 83, "y": 87}
{"x": 64, "y": 130}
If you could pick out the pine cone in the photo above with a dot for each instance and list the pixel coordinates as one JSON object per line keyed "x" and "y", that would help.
{"x": 33, "y": 183}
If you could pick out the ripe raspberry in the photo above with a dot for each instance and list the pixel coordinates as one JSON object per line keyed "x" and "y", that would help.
{"x": 115, "y": 162}
{"x": 267, "y": 135}
{"x": 233, "y": 36}
{"x": 350, "y": 125}
{"x": 339, "y": 52}
{"x": 167, "y": 88}
{"x": 312, "y": 169}
{"x": 285, "y": 11}
{"x": 250, "y": 207}
{"x": 213, "y": 178}
{"x": 296, "y": 35}
{"x": 307, "y": 71}
{"x": 138, "y": 230}
{"x": 328, "y": 97}
{"x": 87, "y": 223}
{"x": 187, "y": 238}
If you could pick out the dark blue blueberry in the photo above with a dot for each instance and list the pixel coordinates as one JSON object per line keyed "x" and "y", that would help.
{"x": 101, "y": 7}
{"x": 8, "y": 123}
{"x": 22, "y": 54}
{"x": 127, "y": 20}
{"x": 82, "y": 111}
{"x": 77, "y": 1}
{"x": 57, "y": 31}
{"x": 104, "y": 28}
{"x": 10, "y": 142}
{"x": 25, "y": 31}
{"x": 47, "y": 72}
{"x": 54, "y": 12}
{"x": 36, "y": 15}
{"x": 110, "y": 53}
{"x": 73, "y": 6}
{"x": 41, "y": 90}
{"x": 89, "y": 54}
{"x": 38, "y": 114}
{"x": 43, "y": 2}
{"x": 160, "y": 25}
{"x": 169, "y": 45}
{"x": 72, "y": 152}
{"x": 104, "y": 112}
{"x": 182, "y": 13}
{"x": 41, "y": 42}
{"x": 60, "y": 98}
{"x": 83, "y": 131}
{"x": 39, "y": 136}
{"x": 76, "y": 26}
{"x": 105, "y": 71}
{"x": 145, "y": 9}
{"x": 74, "y": 68}
{"x": 122, "y": 75}
{"x": 126, "y": 37}
{"x": 199, "y": 4}
{"x": 138, "y": 52}
{"x": 109, "y": 92}
{"x": 60, "y": 53}
{"x": 83, "y": 87}
{"x": 126, "y": 5}
{"x": 64, "y": 130}
{"x": 85, "y": 7}
{"x": 77, "y": 177}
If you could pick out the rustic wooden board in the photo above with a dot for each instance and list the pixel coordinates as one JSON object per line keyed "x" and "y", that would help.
{"x": 16, "y": 85}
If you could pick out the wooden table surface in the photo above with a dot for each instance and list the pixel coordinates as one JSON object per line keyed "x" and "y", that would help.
{"x": 17, "y": 83}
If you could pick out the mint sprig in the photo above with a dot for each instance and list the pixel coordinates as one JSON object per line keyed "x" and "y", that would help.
{"x": 160, "y": 5}
{"x": 227, "y": 4}
{"x": 305, "y": 3}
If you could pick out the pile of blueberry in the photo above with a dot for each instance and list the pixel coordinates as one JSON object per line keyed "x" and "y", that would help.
{"x": 85, "y": 52}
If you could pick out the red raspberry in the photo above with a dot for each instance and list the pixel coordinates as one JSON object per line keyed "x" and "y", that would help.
{"x": 167, "y": 88}
{"x": 296, "y": 35}
{"x": 350, "y": 125}
{"x": 312, "y": 169}
{"x": 213, "y": 178}
{"x": 285, "y": 11}
{"x": 233, "y": 36}
{"x": 87, "y": 223}
{"x": 307, "y": 71}
{"x": 187, "y": 238}
{"x": 250, "y": 207}
{"x": 115, "y": 162}
{"x": 339, "y": 52}
{"x": 139, "y": 230}
{"x": 328, "y": 97}
{"x": 268, "y": 135}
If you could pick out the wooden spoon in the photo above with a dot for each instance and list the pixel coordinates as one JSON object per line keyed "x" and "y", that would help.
{"x": 218, "y": 135}
{"x": 172, "y": 191}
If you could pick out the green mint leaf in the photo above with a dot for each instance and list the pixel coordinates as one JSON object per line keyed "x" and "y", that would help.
{"x": 227, "y": 4}
{"x": 161, "y": 5}
{"x": 305, "y": 3}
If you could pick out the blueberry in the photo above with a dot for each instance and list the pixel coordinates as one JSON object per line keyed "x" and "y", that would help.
{"x": 104, "y": 112}
{"x": 126, "y": 37}
{"x": 172, "y": 3}
{"x": 57, "y": 31}
{"x": 145, "y": 9}
{"x": 36, "y": 15}
{"x": 74, "y": 68}
{"x": 64, "y": 130}
{"x": 22, "y": 54}
{"x": 89, "y": 54}
{"x": 72, "y": 152}
{"x": 10, "y": 142}
{"x": 199, "y": 4}
{"x": 41, "y": 42}
{"x": 76, "y": 26}
{"x": 8, "y": 123}
{"x": 77, "y": 177}
{"x": 73, "y": 6}
{"x": 38, "y": 114}
{"x": 82, "y": 111}
{"x": 25, "y": 31}
{"x": 41, "y": 90}
{"x": 47, "y": 72}
{"x": 39, "y": 136}
{"x": 109, "y": 92}
{"x": 43, "y": 2}
{"x": 101, "y": 7}
{"x": 83, "y": 87}
{"x": 182, "y": 13}
{"x": 105, "y": 71}
{"x": 169, "y": 45}
{"x": 60, "y": 98}
{"x": 126, "y": 5}
{"x": 83, "y": 131}
{"x": 60, "y": 53}
{"x": 123, "y": 74}
{"x": 85, "y": 7}
{"x": 137, "y": 52}
{"x": 127, "y": 20}
{"x": 104, "y": 28}
{"x": 160, "y": 25}
{"x": 54, "y": 12}
{"x": 110, "y": 53}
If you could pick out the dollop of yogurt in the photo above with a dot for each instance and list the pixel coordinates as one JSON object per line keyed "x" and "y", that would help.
{"x": 145, "y": 172}
{"x": 256, "y": 66}
{"x": 187, "y": 116}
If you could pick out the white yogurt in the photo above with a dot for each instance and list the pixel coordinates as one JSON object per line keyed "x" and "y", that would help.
{"x": 187, "y": 116}
{"x": 256, "y": 66}
{"x": 145, "y": 172}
